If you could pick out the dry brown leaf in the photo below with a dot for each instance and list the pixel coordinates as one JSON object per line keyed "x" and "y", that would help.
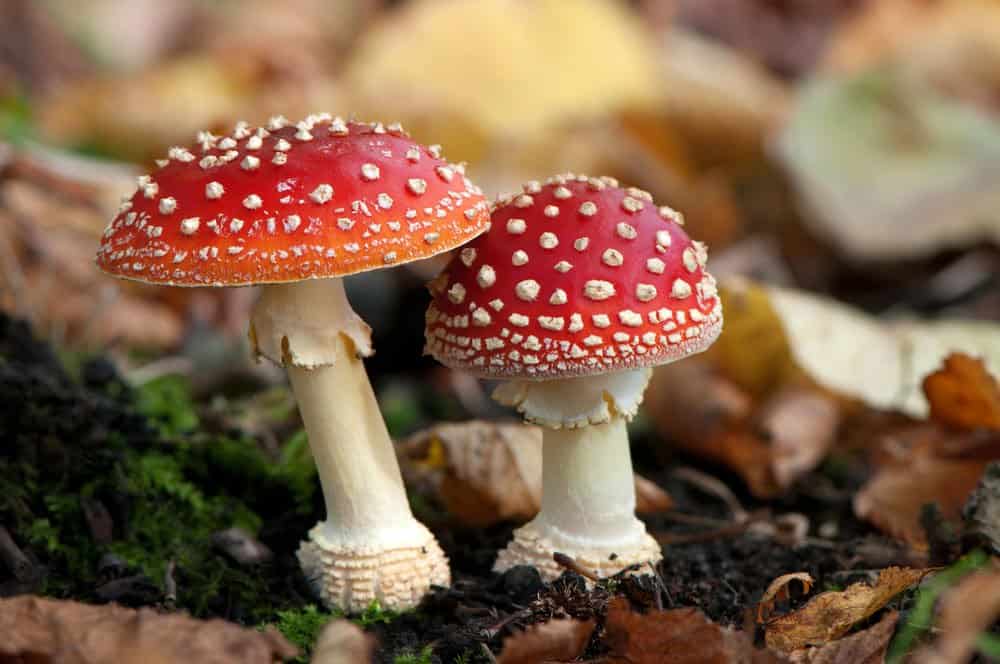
{"x": 963, "y": 394}
{"x": 487, "y": 472}
{"x": 779, "y": 590}
{"x": 67, "y": 632}
{"x": 967, "y": 610}
{"x": 771, "y": 446}
{"x": 866, "y": 647}
{"x": 830, "y": 615}
{"x": 678, "y": 636}
{"x": 53, "y": 208}
{"x": 801, "y": 426}
{"x": 916, "y": 475}
{"x": 343, "y": 642}
{"x": 931, "y": 464}
{"x": 552, "y": 641}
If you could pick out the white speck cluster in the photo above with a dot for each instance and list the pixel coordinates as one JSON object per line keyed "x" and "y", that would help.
{"x": 590, "y": 278}
{"x": 261, "y": 206}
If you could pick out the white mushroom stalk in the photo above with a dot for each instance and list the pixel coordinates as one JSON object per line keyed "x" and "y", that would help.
{"x": 588, "y": 489}
{"x": 370, "y": 547}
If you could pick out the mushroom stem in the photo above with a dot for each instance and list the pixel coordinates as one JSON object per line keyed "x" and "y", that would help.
{"x": 357, "y": 466}
{"x": 370, "y": 547}
{"x": 588, "y": 488}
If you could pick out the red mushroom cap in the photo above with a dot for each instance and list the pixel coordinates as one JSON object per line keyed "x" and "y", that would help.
{"x": 322, "y": 198}
{"x": 576, "y": 277}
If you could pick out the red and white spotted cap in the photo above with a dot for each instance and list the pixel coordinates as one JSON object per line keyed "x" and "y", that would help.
{"x": 320, "y": 198}
{"x": 575, "y": 277}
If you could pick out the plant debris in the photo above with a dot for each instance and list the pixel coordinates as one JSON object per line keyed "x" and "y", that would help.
{"x": 46, "y": 630}
{"x": 830, "y": 615}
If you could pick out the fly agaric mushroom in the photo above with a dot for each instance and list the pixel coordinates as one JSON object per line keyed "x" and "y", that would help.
{"x": 578, "y": 289}
{"x": 295, "y": 208}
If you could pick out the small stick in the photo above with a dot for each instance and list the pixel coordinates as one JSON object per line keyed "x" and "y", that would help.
{"x": 573, "y": 566}
{"x": 728, "y": 530}
{"x": 18, "y": 563}
{"x": 170, "y": 586}
{"x": 713, "y": 486}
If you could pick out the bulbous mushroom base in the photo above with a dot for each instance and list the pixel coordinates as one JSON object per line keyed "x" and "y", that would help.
{"x": 350, "y": 578}
{"x": 534, "y": 544}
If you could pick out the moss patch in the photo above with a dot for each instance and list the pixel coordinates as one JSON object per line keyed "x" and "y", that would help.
{"x": 85, "y": 452}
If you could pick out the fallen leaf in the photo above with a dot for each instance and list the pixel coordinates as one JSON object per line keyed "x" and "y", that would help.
{"x": 934, "y": 156}
{"x": 722, "y": 103}
{"x": 830, "y": 615}
{"x": 771, "y": 443}
{"x": 800, "y": 337}
{"x": 787, "y": 37}
{"x": 967, "y": 610}
{"x": 779, "y": 591}
{"x": 487, "y": 472}
{"x": 677, "y": 636}
{"x": 800, "y": 425}
{"x": 982, "y": 511}
{"x": 342, "y": 642}
{"x": 914, "y": 475}
{"x": 552, "y": 641}
{"x": 933, "y": 463}
{"x": 866, "y": 647}
{"x": 962, "y": 394}
{"x": 66, "y": 632}
{"x": 53, "y": 208}
{"x": 419, "y": 56}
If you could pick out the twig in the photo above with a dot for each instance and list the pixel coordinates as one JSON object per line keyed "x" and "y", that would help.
{"x": 694, "y": 519}
{"x": 175, "y": 364}
{"x": 170, "y": 586}
{"x": 728, "y": 530}
{"x": 488, "y": 653}
{"x": 573, "y": 566}
{"x": 18, "y": 563}
{"x": 713, "y": 486}
{"x": 14, "y": 280}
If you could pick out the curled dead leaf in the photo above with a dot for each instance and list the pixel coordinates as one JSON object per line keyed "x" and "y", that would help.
{"x": 552, "y": 641}
{"x": 487, "y": 472}
{"x": 963, "y": 394}
{"x": 678, "y": 636}
{"x": 779, "y": 591}
{"x": 866, "y": 647}
{"x": 830, "y": 615}
{"x": 73, "y": 633}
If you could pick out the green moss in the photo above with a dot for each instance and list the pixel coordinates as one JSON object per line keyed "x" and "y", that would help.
{"x": 375, "y": 615}
{"x": 302, "y": 626}
{"x": 409, "y": 657}
{"x": 166, "y": 400}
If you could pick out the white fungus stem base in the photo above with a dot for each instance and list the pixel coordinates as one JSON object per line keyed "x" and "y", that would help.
{"x": 588, "y": 490}
{"x": 369, "y": 547}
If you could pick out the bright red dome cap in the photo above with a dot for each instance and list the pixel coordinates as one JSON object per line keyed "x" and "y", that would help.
{"x": 575, "y": 277}
{"x": 321, "y": 198}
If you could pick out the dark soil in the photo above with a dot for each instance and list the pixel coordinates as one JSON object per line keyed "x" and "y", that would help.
{"x": 101, "y": 487}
